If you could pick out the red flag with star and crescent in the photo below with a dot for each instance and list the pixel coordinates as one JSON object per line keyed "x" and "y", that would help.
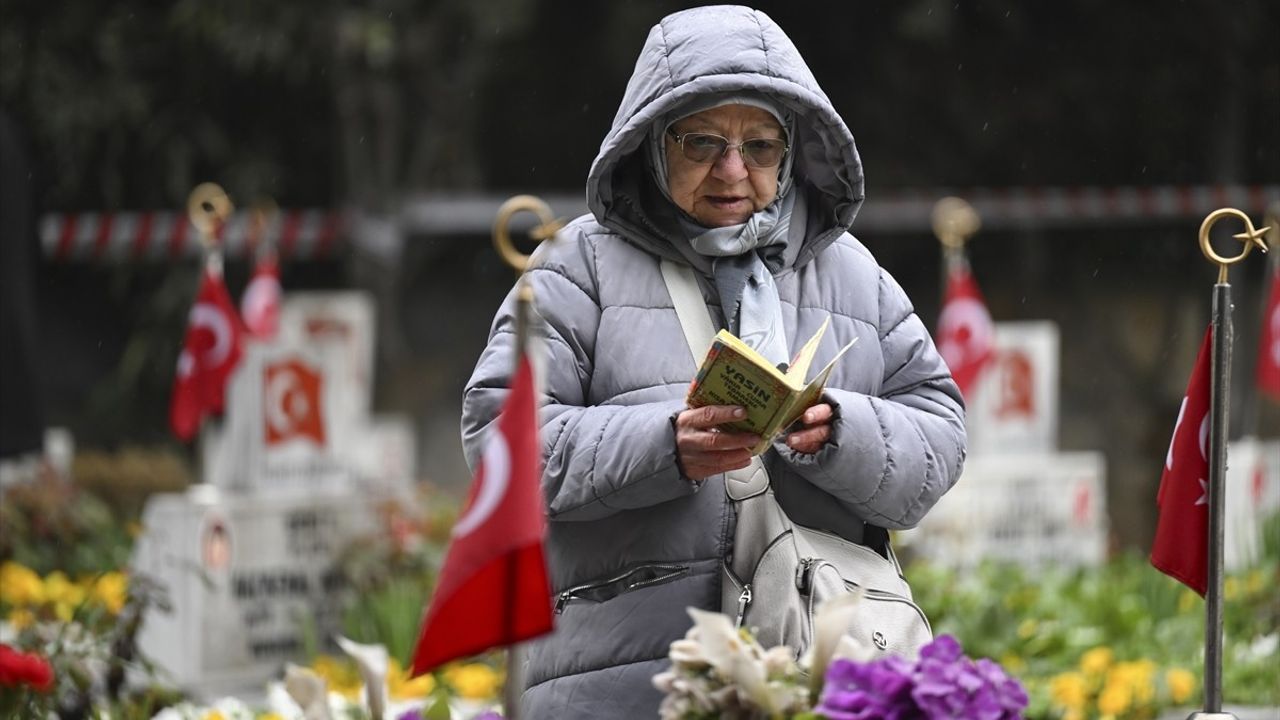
{"x": 1181, "y": 547}
{"x": 493, "y": 588}
{"x": 210, "y": 352}
{"x": 966, "y": 334}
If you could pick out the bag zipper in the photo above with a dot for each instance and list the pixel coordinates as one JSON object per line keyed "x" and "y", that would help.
{"x": 804, "y": 575}
{"x": 744, "y": 599}
{"x": 572, "y": 593}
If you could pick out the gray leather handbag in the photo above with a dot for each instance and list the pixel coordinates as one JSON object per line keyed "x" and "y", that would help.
{"x": 778, "y": 572}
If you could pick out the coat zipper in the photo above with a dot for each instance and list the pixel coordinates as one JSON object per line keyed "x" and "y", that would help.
{"x": 569, "y": 594}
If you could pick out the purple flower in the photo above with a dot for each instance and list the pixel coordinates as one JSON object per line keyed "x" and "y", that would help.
{"x": 950, "y": 685}
{"x": 411, "y": 714}
{"x": 488, "y": 715}
{"x": 942, "y": 684}
{"x": 878, "y": 690}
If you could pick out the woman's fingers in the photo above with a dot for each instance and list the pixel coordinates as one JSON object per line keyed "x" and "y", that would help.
{"x": 709, "y": 416}
{"x": 815, "y": 434}
{"x": 701, "y": 465}
{"x": 706, "y": 451}
{"x": 819, "y": 414}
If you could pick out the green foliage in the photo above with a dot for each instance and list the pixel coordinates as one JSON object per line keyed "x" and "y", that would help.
{"x": 53, "y": 525}
{"x": 1040, "y": 624}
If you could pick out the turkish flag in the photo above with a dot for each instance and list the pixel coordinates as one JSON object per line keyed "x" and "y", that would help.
{"x": 292, "y": 405}
{"x": 966, "y": 335}
{"x": 1269, "y": 342}
{"x": 493, "y": 588}
{"x": 210, "y": 351}
{"x": 1181, "y": 548}
{"x": 260, "y": 305}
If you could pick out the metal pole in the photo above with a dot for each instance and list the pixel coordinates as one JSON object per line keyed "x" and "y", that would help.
{"x": 514, "y": 687}
{"x": 1219, "y": 399}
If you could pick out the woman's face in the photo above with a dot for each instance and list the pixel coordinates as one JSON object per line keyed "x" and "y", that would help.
{"x": 726, "y": 191}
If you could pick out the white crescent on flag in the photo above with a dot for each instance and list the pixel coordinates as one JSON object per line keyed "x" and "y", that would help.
{"x": 261, "y": 304}
{"x": 1275, "y": 336}
{"x": 1203, "y": 438}
{"x": 278, "y": 393}
{"x": 960, "y": 315}
{"x": 494, "y": 476}
{"x": 209, "y": 316}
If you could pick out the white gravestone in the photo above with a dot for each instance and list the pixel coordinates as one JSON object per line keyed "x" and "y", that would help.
{"x": 1014, "y": 404}
{"x": 244, "y": 575}
{"x": 1253, "y": 496}
{"x": 343, "y": 319}
{"x": 1034, "y": 510}
{"x": 291, "y": 426}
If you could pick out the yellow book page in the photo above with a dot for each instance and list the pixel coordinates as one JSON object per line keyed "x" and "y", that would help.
{"x": 799, "y": 369}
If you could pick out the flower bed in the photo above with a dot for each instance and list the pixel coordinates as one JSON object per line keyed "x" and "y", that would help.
{"x": 1121, "y": 640}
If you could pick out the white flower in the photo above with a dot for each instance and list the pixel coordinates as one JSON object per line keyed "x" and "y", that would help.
{"x": 372, "y": 662}
{"x": 829, "y": 625}
{"x": 309, "y": 690}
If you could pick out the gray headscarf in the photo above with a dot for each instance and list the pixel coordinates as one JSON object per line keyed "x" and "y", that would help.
{"x": 743, "y": 280}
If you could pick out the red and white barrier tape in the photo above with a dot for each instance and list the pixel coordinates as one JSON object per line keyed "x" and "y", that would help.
{"x": 315, "y": 234}
{"x": 167, "y": 235}
{"x": 1002, "y": 208}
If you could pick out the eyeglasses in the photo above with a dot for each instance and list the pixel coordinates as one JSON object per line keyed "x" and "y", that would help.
{"x": 705, "y": 148}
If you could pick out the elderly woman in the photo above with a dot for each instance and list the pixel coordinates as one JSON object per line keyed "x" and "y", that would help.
{"x": 725, "y": 156}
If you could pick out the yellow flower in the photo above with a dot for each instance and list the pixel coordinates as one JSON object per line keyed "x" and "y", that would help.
{"x": 1069, "y": 690}
{"x": 1255, "y": 582}
{"x": 1138, "y": 676}
{"x": 474, "y": 681}
{"x": 341, "y": 677}
{"x": 401, "y": 687}
{"x": 270, "y": 716}
{"x": 1181, "y": 684}
{"x": 1096, "y": 661}
{"x": 1115, "y": 699}
{"x": 1231, "y": 588}
{"x": 1188, "y": 601}
{"x": 1013, "y": 663}
{"x": 1073, "y": 715}
{"x": 20, "y": 586}
{"x": 21, "y": 618}
{"x": 1027, "y": 628}
{"x": 110, "y": 590}
{"x": 60, "y": 590}
{"x": 214, "y": 715}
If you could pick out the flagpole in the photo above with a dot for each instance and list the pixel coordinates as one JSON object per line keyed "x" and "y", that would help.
{"x": 208, "y": 207}
{"x": 513, "y": 689}
{"x": 954, "y": 222}
{"x": 1219, "y": 398}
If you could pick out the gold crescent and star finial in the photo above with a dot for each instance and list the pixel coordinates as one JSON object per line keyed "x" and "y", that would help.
{"x": 546, "y": 230}
{"x": 1250, "y": 237}
{"x": 954, "y": 222}
{"x": 208, "y": 207}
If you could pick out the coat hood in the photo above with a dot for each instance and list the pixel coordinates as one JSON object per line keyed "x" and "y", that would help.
{"x": 727, "y": 50}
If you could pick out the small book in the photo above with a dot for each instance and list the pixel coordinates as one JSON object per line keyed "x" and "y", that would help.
{"x": 735, "y": 374}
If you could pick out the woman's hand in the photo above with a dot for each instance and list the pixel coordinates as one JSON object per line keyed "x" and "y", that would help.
{"x": 816, "y": 432}
{"x": 705, "y": 451}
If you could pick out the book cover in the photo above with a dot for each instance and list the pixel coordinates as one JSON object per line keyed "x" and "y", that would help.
{"x": 733, "y": 373}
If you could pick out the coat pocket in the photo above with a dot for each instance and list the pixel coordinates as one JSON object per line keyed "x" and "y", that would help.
{"x": 633, "y": 578}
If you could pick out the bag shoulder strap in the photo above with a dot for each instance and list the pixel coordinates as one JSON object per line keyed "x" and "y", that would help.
{"x": 699, "y": 332}
{"x": 691, "y": 308}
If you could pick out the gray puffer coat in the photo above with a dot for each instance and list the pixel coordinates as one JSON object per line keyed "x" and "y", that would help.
{"x": 632, "y": 542}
